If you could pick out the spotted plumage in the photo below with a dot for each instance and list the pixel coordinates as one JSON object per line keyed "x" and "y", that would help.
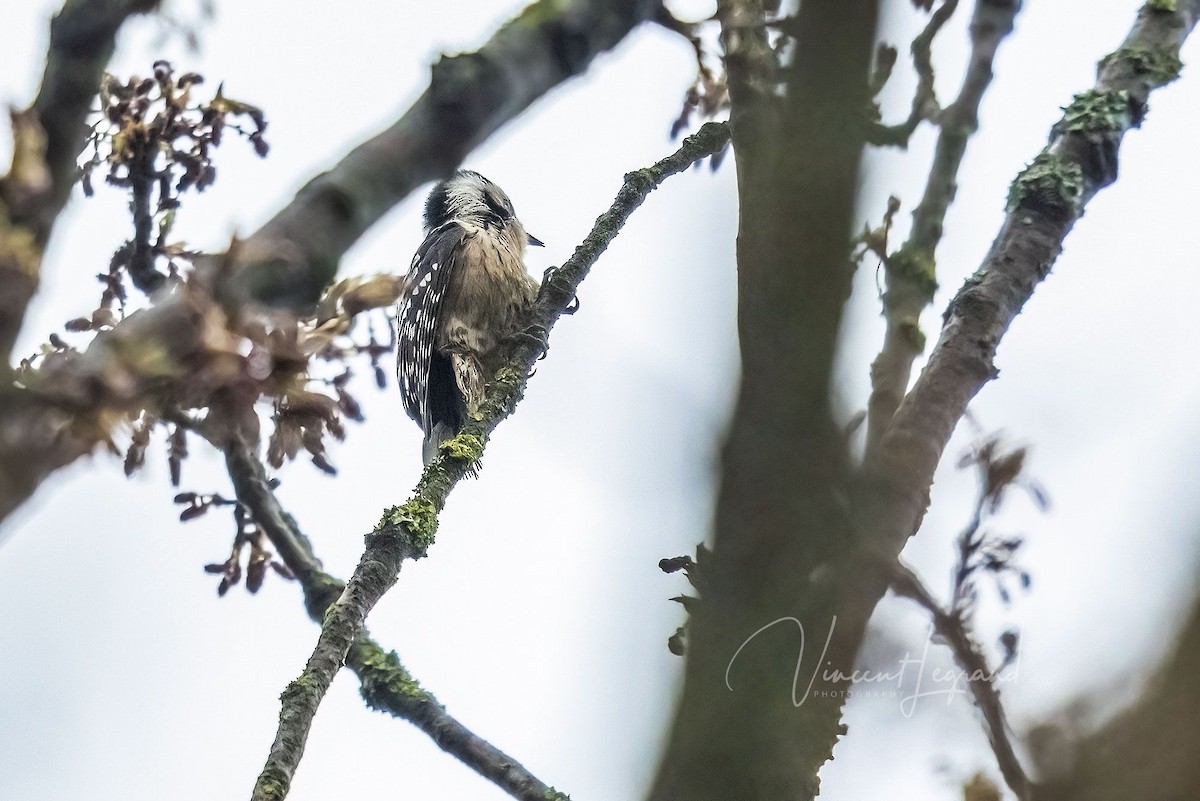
{"x": 467, "y": 290}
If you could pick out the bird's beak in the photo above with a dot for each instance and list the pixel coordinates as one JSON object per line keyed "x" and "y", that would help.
{"x": 535, "y": 242}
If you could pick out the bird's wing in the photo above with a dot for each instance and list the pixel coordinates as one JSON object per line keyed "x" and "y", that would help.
{"x": 429, "y": 278}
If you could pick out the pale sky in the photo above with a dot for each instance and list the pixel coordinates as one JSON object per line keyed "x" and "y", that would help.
{"x": 540, "y": 618}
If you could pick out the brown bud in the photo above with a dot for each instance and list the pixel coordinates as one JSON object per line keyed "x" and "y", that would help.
{"x": 192, "y": 512}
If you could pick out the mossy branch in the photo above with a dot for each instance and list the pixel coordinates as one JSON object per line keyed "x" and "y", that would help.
{"x": 406, "y": 531}
{"x": 386, "y": 685}
{"x": 1046, "y": 200}
{"x": 910, "y": 274}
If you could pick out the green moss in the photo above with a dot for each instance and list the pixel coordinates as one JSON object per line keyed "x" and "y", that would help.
{"x": 916, "y": 268}
{"x": 542, "y": 12}
{"x": 1096, "y": 112}
{"x": 271, "y": 784}
{"x": 416, "y": 519}
{"x": 504, "y": 392}
{"x": 642, "y": 179}
{"x": 300, "y": 687}
{"x": 1161, "y": 6}
{"x": 555, "y": 795}
{"x": 385, "y": 681}
{"x": 913, "y": 335}
{"x": 464, "y": 447}
{"x": 1047, "y": 184}
{"x": 1159, "y": 66}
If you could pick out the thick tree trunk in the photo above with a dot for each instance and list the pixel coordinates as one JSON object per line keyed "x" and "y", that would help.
{"x": 781, "y": 515}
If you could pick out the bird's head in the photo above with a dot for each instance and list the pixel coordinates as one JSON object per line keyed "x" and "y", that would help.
{"x": 469, "y": 197}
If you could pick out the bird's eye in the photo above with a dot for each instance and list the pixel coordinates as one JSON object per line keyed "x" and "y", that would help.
{"x": 499, "y": 206}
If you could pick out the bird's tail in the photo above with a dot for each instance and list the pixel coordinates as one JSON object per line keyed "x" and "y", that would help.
{"x": 468, "y": 376}
{"x": 440, "y": 433}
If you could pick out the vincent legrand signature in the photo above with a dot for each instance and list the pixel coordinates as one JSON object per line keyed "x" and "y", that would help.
{"x": 947, "y": 682}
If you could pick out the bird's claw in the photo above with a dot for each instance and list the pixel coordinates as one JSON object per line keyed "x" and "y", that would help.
{"x": 538, "y": 336}
{"x": 547, "y": 277}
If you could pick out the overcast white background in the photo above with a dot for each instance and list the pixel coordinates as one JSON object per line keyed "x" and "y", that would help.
{"x": 540, "y": 618}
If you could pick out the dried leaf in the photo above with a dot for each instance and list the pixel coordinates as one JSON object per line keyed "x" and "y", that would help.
{"x": 378, "y": 292}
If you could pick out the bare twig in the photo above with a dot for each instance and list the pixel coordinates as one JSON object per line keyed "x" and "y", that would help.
{"x": 925, "y": 103}
{"x": 910, "y": 273}
{"x": 405, "y": 532}
{"x": 952, "y": 629}
{"x": 385, "y": 684}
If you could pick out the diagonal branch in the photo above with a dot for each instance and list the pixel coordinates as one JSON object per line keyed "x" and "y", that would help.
{"x": 406, "y": 532}
{"x": 291, "y": 259}
{"x": 385, "y": 684}
{"x": 911, "y": 278}
{"x": 974, "y": 664}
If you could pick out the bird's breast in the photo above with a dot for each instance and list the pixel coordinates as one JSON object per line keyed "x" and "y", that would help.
{"x": 490, "y": 292}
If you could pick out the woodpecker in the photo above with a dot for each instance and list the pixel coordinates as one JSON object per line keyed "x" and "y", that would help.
{"x": 467, "y": 291}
